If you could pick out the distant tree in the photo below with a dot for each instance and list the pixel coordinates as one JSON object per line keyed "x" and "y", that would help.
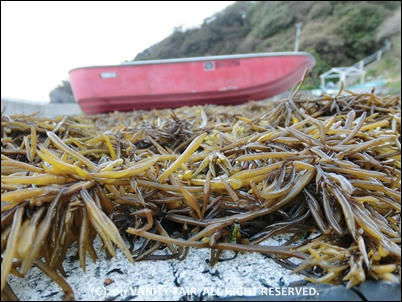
{"x": 62, "y": 93}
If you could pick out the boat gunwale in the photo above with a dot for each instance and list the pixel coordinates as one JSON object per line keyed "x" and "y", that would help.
{"x": 206, "y": 58}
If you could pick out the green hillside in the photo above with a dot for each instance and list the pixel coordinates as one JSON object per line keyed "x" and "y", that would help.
{"x": 337, "y": 33}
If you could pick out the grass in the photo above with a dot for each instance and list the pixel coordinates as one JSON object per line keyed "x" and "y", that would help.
{"x": 388, "y": 68}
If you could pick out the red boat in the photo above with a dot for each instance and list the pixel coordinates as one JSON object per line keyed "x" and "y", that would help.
{"x": 229, "y": 79}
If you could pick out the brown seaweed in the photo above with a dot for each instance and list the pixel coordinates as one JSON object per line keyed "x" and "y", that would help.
{"x": 230, "y": 176}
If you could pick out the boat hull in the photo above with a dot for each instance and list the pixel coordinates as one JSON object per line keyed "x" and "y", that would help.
{"x": 186, "y": 82}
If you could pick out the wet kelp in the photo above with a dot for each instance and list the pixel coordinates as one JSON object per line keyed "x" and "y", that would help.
{"x": 326, "y": 171}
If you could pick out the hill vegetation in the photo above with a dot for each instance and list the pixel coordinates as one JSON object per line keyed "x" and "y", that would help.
{"x": 336, "y": 33}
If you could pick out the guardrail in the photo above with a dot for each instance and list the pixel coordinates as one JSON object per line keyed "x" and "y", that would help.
{"x": 374, "y": 57}
{"x": 342, "y": 73}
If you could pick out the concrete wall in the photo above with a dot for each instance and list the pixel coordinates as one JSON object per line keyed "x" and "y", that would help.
{"x": 11, "y": 106}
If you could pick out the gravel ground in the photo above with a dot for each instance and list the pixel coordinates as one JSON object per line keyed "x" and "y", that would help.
{"x": 249, "y": 274}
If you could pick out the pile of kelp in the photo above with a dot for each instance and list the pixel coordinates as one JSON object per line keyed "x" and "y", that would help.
{"x": 326, "y": 171}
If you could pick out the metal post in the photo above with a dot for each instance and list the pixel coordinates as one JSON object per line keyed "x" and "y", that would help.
{"x": 387, "y": 44}
{"x": 361, "y": 67}
{"x": 379, "y": 55}
{"x": 298, "y": 27}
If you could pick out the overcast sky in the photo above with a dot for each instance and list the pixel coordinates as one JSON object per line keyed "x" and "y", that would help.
{"x": 42, "y": 41}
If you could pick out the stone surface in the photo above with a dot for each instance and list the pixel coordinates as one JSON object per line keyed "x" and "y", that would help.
{"x": 246, "y": 277}
{"x": 190, "y": 279}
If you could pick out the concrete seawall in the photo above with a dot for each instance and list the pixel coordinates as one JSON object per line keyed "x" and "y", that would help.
{"x": 12, "y": 106}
